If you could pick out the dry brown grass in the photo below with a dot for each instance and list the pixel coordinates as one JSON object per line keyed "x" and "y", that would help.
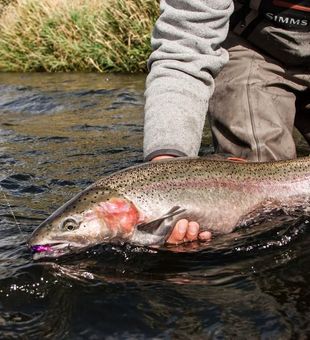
{"x": 77, "y": 35}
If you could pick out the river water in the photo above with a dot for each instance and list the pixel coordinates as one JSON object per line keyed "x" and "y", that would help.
{"x": 61, "y": 132}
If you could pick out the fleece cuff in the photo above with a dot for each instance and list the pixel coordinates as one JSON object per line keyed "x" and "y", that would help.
{"x": 170, "y": 152}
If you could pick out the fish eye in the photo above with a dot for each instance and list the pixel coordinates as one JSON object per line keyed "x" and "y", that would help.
{"x": 69, "y": 224}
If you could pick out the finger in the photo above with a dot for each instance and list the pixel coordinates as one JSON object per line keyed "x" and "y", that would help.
{"x": 192, "y": 231}
{"x": 178, "y": 232}
{"x": 158, "y": 158}
{"x": 205, "y": 236}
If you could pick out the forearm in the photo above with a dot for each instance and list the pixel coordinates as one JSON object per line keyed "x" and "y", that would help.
{"x": 187, "y": 55}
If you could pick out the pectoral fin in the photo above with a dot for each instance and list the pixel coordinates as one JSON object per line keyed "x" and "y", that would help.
{"x": 158, "y": 230}
{"x": 152, "y": 227}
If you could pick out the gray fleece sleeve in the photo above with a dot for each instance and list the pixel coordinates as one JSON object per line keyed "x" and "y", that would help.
{"x": 186, "y": 56}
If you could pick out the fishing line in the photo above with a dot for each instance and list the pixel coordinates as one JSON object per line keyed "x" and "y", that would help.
{"x": 12, "y": 213}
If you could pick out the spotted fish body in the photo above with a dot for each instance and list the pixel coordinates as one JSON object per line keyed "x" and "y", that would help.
{"x": 141, "y": 204}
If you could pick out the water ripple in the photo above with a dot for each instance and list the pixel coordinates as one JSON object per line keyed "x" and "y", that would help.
{"x": 59, "y": 133}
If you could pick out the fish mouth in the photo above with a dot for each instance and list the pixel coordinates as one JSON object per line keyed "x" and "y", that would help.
{"x": 50, "y": 250}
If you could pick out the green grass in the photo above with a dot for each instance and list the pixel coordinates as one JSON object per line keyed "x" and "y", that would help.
{"x": 77, "y": 35}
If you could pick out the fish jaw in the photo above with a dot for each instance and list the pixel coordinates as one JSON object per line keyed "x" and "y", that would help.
{"x": 56, "y": 246}
{"x": 52, "y": 250}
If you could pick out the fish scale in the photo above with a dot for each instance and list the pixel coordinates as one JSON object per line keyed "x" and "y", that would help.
{"x": 141, "y": 204}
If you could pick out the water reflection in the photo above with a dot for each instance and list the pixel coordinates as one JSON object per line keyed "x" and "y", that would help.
{"x": 35, "y": 304}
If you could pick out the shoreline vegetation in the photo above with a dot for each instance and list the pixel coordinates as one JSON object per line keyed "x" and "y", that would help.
{"x": 76, "y": 35}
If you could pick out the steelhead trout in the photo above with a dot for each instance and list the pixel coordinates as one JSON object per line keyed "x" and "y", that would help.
{"x": 141, "y": 205}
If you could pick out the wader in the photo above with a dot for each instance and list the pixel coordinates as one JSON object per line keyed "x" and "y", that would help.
{"x": 264, "y": 90}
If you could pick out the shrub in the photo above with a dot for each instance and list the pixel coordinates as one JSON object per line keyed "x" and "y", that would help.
{"x": 77, "y": 35}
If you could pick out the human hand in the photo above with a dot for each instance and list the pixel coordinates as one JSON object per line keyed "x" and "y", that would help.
{"x": 187, "y": 231}
{"x": 184, "y": 230}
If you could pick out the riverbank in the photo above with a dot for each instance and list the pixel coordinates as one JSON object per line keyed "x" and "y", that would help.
{"x": 76, "y": 35}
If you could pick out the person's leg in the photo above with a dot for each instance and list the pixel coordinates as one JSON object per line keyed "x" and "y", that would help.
{"x": 252, "y": 110}
{"x": 302, "y": 118}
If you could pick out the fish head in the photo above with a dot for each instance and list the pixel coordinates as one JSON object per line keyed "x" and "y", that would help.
{"x": 90, "y": 218}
